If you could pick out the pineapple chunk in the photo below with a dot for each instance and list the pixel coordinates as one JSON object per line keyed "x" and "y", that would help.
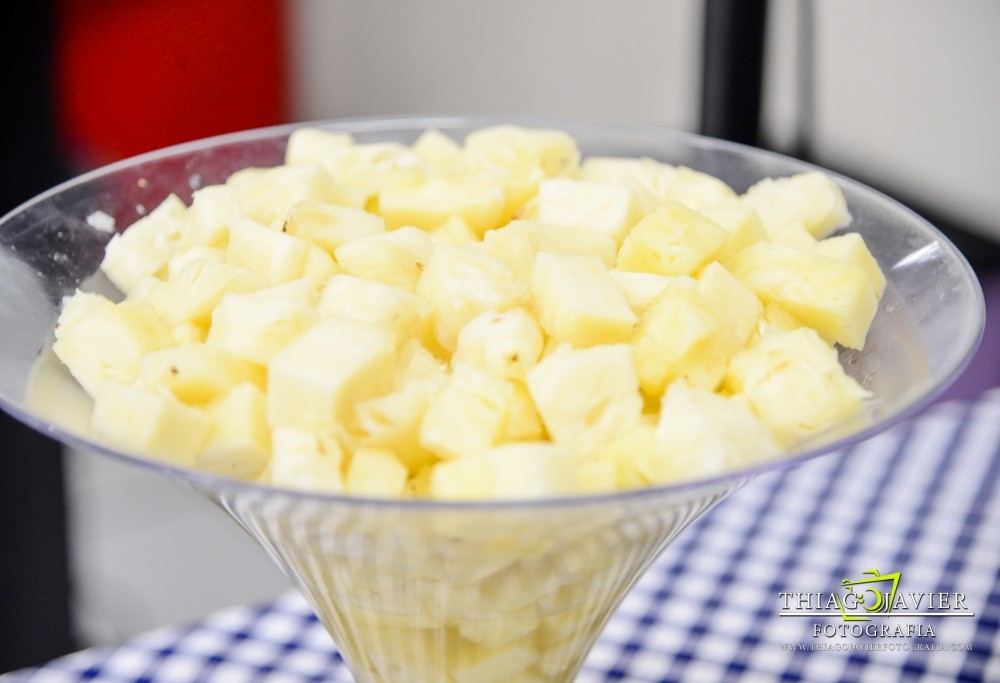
{"x": 851, "y": 247}
{"x": 516, "y": 244}
{"x": 505, "y": 344}
{"x": 329, "y": 226}
{"x": 181, "y": 259}
{"x": 701, "y": 433}
{"x": 651, "y": 179}
{"x": 681, "y": 335}
{"x": 197, "y": 373}
{"x": 642, "y": 289}
{"x": 239, "y": 442}
{"x": 795, "y": 383}
{"x": 258, "y": 325}
{"x": 779, "y": 317}
{"x": 146, "y": 247}
{"x": 523, "y": 421}
{"x": 517, "y": 470}
{"x": 306, "y": 459}
{"x": 468, "y": 414}
{"x": 794, "y": 235}
{"x": 390, "y": 307}
{"x": 629, "y": 454}
{"x": 395, "y": 258}
{"x": 743, "y": 225}
{"x": 278, "y": 256}
{"x": 578, "y": 301}
{"x": 674, "y": 240}
{"x": 696, "y": 189}
{"x": 834, "y": 297}
{"x": 150, "y": 423}
{"x": 427, "y": 200}
{"x": 197, "y": 289}
{"x": 609, "y": 210}
{"x": 438, "y": 151}
{"x": 459, "y": 283}
{"x": 266, "y": 194}
{"x": 98, "y": 340}
{"x": 310, "y": 145}
{"x": 318, "y": 266}
{"x": 585, "y": 396}
{"x": 366, "y": 166}
{"x": 212, "y": 207}
{"x": 454, "y": 231}
{"x": 731, "y": 299}
{"x": 811, "y": 198}
{"x": 376, "y": 473}
{"x": 319, "y": 378}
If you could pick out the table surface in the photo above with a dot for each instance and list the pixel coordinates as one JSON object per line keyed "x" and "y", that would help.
{"x": 922, "y": 499}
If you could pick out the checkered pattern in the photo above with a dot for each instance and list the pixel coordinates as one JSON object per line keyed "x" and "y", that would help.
{"x": 922, "y": 499}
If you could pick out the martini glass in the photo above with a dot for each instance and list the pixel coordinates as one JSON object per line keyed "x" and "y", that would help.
{"x": 415, "y": 590}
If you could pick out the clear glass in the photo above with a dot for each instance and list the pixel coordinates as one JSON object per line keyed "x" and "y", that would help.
{"x": 465, "y": 592}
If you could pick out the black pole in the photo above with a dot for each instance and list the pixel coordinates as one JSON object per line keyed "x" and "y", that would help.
{"x": 35, "y": 621}
{"x": 732, "y": 75}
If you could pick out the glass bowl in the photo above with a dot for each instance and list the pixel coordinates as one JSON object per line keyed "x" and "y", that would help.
{"x": 416, "y": 590}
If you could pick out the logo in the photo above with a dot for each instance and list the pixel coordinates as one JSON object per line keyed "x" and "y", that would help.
{"x": 875, "y": 605}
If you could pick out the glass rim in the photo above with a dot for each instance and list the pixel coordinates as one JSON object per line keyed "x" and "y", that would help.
{"x": 418, "y": 122}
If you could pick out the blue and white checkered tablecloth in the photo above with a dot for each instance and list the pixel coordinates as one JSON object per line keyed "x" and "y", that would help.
{"x": 922, "y": 499}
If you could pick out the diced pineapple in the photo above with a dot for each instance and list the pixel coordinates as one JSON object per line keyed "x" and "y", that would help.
{"x": 696, "y": 189}
{"x": 516, "y": 244}
{"x": 383, "y": 259}
{"x": 189, "y": 333}
{"x": 437, "y": 150}
{"x": 681, "y": 335}
{"x": 310, "y": 145}
{"x": 197, "y": 373}
{"x": 376, "y": 473}
{"x": 851, "y": 247}
{"x": 266, "y": 194}
{"x": 835, "y": 297}
{"x": 795, "y": 364}
{"x": 629, "y": 453}
{"x": 500, "y": 630}
{"x": 578, "y": 301}
{"x": 329, "y": 226}
{"x": 389, "y": 307}
{"x": 674, "y": 240}
{"x": 811, "y": 198}
{"x": 730, "y": 298}
{"x": 778, "y": 316}
{"x": 642, "y": 289}
{"x": 365, "y": 166}
{"x": 794, "y": 235}
{"x": 146, "y": 247}
{"x": 743, "y": 225}
{"x": 196, "y": 253}
{"x": 149, "y": 422}
{"x": 310, "y": 460}
{"x": 523, "y": 421}
{"x": 702, "y": 433}
{"x": 515, "y": 470}
{"x": 239, "y": 442}
{"x": 597, "y": 476}
{"x": 98, "y": 340}
{"x": 197, "y": 289}
{"x": 278, "y": 256}
{"x": 428, "y": 199}
{"x": 585, "y": 396}
{"x": 258, "y": 325}
{"x": 318, "y": 266}
{"x": 454, "y": 231}
{"x": 505, "y": 344}
{"x": 468, "y": 414}
{"x": 650, "y": 178}
{"x": 212, "y": 207}
{"x": 319, "y": 378}
{"x": 459, "y": 283}
{"x": 609, "y": 210}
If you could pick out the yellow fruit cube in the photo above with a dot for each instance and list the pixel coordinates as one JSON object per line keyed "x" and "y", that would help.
{"x": 376, "y": 473}
{"x": 389, "y": 307}
{"x": 454, "y": 231}
{"x": 395, "y": 258}
{"x": 515, "y": 470}
{"x": 212, "y": 207}
{"x": 516, "y": 244}
{"x": 310, "y": 460}
{"x": 278, "y": 256}
{"x": 329, "y": 226}
{"x": 604, "y": 209}
{"x": 428, "y": 199}
{"x": 811, "y": 198}
{"x": 834, "y": 297}
{"x": 795, "y": 364}
{"x": 197, "y": 373}
{"x": 239, "y": 441}
{"x": 366, "y": 166}
{"x": 650, "y": 178}
{"x": 585, "y": 396}
{"x": 460, "y": 282}
{"x": 851, "y": 247}
{"x": 319, "y": 378}
{"x": 523, "y": 421}
{"x": 438, "y": 151}
{"x": 730, "y": 298}
{"x": 505, "y": 344}
{"x": 578, "y": 301}
{"x": 98, "y": 340}
{"x": 674, "y": 240}
{"x": 642, "y": 289}
{"x": 682, "y": 335}
{"x": 743, "y": 225}
{"x": 192, "y": 294}
{"x": 309, "y": 145}
{"x": 186, "y": 256}
{"x": 266, "y": 194}
{"x": 794, "y": 235}
{"x": 696, "y": 189}
{"x": 145, "y": 248}
{"x": 149, "y": 422}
